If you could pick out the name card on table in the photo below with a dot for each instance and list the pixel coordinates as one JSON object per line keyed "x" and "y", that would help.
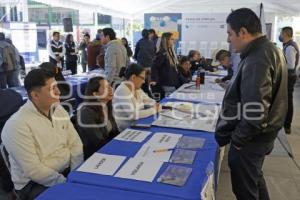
{"x": 164, "y": 140}
{"x": 139, "y": 169}
{"x": 102, "y": 164}
{"x": 132, "y": 135}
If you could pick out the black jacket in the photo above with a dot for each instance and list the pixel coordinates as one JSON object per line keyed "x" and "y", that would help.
{"x": 70, "y": 52}
{"x": 162, "y": 72}
{"x": 229, "y": 74}
{"x": 259, "y": 84}
{"x": 184, "y": 77}
{"x": 144, "y": 52}
{"x": 93, "y": 138}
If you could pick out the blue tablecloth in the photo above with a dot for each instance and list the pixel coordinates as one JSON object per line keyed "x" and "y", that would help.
{"x": 70, "y": 191}
{"x": 191, "y": 190}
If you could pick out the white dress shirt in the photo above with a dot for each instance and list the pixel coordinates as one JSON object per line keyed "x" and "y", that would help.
{"x": 39, "y": 148}
{"x": 51, "y": 53}
{"x": 290, "y": 56}
{"x": 128, "y": 108}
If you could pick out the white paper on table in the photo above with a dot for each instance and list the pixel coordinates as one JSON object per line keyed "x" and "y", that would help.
{"x": 175, "y": 114}
{"x": 164, "y": 140}
{"x": 207, "y": 192}
{"x": 205, "y": 96}
{"x": 140, "y": 169}
{"x": 132, "y": 135}
{"x": 103, "y": 164}
{"x": 147, "y": 152}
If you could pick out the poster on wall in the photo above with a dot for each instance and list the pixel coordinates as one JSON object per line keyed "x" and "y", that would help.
{"x": 205, "y": 32}
{"x": 164, "y": 22}
{"x": 24, "y": 37}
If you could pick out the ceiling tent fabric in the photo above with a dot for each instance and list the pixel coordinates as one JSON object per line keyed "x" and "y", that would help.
{"x": 134, "y": 9}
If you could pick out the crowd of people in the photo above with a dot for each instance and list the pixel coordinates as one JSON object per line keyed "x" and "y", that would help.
{"x": 43, "y": 144}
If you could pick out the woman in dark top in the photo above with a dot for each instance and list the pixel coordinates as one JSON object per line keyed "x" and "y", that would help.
{"x": 197, "y": 61}
{"x": 185, "y": 75}
{"x": 165, "y": 66}
{"x": 95, "y": 122}
{"x": 71, "y": 54}
{"x": 128, "y": 49}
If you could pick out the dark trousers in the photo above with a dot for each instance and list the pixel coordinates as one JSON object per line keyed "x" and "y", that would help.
{"x": 245, "y": 165}
{"x": 31, "y": 191}
{"x": 71, "y": 65}
{"x": 292, "y": 77}
{"x": 83, "y": 65}
{"x": 62, "y": 61}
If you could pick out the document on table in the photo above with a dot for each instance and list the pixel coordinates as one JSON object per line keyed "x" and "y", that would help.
{"x": 152, "y": 152}
{"x": 140, "y": 169}
{"x": 103, "y": 164}
{"x": 164, "y": 140}
{"x": 204, "y": 118}
{"x": 132, "y": 135}
{"x": 205, "y": 96}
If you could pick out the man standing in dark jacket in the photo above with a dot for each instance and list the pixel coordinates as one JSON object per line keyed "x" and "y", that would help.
{"x": 144, "y": 55}
{"x": 254, "y": 105}
{"x": 291, "y": 53}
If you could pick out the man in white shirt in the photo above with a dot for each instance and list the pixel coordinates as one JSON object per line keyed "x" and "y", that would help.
{"x": 56, "y": 50}
{"x": 291, "y": 53}
{"x": 42, "y": 144}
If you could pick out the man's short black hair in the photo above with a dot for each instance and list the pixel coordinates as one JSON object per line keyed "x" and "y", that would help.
{"x": 109, "y": 32}
{"x": 151, "y": 30}
{"x": 145, "y": 33}
{"x": 87, "y": 35}
{"x": 288, "y": 30}
{"x": 244, "y": 17}
{"x": 222, "y": 54}
{"x": 36, "y": 78}
{"x": 55, "y": 33}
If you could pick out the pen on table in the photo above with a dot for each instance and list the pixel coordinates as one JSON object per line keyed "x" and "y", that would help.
{"x": 162, "y": 150}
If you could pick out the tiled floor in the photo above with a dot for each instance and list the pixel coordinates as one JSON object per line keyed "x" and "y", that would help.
{"x": 281, "y": 173}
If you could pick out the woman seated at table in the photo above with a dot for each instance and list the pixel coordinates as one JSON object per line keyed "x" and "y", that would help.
{"x": 196, "y": 61}
{"x": 130, "y": 103}
{"x": 185, "y": 75}
{"x": 95, "y": 121}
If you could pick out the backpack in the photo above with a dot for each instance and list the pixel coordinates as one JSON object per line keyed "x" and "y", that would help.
{"x": 9, "y": 56}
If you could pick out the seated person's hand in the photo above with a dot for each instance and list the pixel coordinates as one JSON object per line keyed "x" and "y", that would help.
{"x": 218, "y": 80}
{"x": 152, "y": 83}
{"x": 157, "y": 107}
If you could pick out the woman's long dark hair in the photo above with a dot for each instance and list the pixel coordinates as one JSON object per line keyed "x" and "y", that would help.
{"x": 68, "y": 39}
{"x": 93, "y": 86}
{"x": 126, "y": 42}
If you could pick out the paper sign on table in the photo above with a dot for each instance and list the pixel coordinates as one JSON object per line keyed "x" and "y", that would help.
{"x": 164, "y": 140}
{"x": 139, "y": 169}
{"x": 102, "y": 164}
{"x": 132, "y": 135}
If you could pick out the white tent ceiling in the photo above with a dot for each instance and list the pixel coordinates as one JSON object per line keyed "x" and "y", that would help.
{"x": 136, "y": 8}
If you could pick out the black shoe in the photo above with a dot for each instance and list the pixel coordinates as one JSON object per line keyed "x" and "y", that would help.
{"x": 287, "y": 130}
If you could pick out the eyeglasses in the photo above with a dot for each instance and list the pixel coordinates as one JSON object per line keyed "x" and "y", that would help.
{"x": 141, "y": 77}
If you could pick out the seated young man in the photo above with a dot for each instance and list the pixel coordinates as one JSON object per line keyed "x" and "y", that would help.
{"x": 42, "y": 144}
{"x": 223, "y": 57}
